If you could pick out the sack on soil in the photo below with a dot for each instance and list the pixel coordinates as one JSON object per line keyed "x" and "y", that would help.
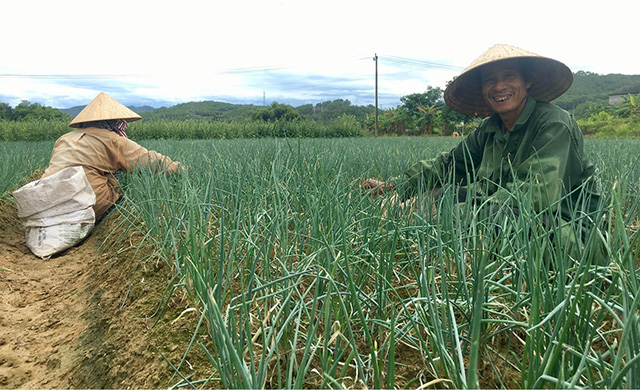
{"x": 57, "y": 211}
{"x": 46, "y": 241}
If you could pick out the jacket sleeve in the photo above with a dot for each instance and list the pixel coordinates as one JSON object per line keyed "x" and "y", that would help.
{"x": 457, "y": 166}
{"x": 136, "y": 156}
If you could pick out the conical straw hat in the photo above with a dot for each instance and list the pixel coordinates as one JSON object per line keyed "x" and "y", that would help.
{"x": 549, "y": 79}
{"x": 104, "y": 107}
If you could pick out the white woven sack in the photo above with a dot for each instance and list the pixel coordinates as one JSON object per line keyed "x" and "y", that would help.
{"x": 57, "y": 211}
{"x": 63, "y": 192}
{"x": 46, "y": 241}
{"x": 81, "y": 216}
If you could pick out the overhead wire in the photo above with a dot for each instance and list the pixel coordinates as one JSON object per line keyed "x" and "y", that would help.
{"x": 301, "y": 85}
{"x": 65, "y": 76}
{"x": 420, "y": 63}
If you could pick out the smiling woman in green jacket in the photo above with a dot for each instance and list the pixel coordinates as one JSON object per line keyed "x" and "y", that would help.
{"x": 526, "y": 144}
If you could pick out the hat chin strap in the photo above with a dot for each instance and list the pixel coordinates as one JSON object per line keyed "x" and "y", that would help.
{"x": 118, "y": 126}
{"x": 121, "y": 128}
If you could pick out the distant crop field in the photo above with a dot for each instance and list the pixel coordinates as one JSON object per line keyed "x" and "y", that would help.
{"x": 19, "y": 159}
{"x": 301, "y": 280}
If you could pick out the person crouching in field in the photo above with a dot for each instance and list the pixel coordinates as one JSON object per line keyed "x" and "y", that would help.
{"x": 99, "y": 144}
{"x": 526, "y": 144}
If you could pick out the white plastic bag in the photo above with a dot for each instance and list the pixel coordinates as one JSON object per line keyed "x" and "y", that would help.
{"x": 57, "y": 211}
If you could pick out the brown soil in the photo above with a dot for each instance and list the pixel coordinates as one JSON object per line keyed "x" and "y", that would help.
{"x": 74, "y": 321}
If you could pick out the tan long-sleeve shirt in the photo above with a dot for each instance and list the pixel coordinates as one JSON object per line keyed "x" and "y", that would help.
{"x": 102, "y": 153}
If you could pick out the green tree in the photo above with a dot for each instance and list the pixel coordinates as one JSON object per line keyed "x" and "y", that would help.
{"x": 427, "y": 119}
{"x": 411, "y": 103}
{"x": 284, "y": 112}
{"x": 6, "y": 112}
{"x": 394, "y": 121}
{"x": 306, "y": 109}
{"x": 34, "y": 111}
{"x": 454, "y": 121}
{"x": 331, "y": 110}
{"x": 334, "y": 109}
{"x": 275, "y": 112}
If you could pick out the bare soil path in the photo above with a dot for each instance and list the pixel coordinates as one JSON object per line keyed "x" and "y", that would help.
{"x": 63, "y": 323}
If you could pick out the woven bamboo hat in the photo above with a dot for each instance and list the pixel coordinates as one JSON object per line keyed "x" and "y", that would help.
{"x": 549, "y": 79}
{"x": 104, "y": 107}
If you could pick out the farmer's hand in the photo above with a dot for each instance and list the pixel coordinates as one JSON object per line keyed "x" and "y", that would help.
{"x": 376, "y": 187}
{"x": 388, "y": 203}
{"x": 408, "y": 206}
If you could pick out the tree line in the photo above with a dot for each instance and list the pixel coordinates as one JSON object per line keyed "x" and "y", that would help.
{"x": 26, "y": 111}
{"x": 418, "y": 114}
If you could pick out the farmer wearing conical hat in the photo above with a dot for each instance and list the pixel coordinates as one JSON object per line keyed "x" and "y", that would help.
{"x": 523, "y": 137}
{"x": 100, "y": 145}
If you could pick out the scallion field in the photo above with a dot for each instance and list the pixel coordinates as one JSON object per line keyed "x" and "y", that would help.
{"x": 301, "y": 280}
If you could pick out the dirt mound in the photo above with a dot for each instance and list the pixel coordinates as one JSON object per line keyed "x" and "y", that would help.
{"x": 78, "y": 319}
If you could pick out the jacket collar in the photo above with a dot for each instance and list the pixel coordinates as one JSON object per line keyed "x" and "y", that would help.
{"x": 495, "y": 123}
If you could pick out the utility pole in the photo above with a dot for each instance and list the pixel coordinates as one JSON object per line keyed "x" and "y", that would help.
{"x": 375, "y": 58}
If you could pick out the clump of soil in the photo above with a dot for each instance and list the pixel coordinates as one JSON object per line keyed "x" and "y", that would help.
{"x": 84, "y": 319}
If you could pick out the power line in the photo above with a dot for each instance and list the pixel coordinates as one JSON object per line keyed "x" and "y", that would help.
{"x": 421, "y": 63}
{"x": 254, "y": 69}
{"x": 66, "y": 76}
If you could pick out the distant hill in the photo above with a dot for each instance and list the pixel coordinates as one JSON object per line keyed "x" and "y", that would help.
{"x": 229, "y": 112}
{"x": 592, "y": 89}
{"x": 73, "y": 111}
{"x": 202, "y": 110}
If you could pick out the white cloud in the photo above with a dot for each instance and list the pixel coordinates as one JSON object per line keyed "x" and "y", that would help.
{"x": 184, "y": 51}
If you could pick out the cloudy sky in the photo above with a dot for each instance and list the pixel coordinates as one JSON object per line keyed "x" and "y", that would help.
{"x": 62, "y": 53}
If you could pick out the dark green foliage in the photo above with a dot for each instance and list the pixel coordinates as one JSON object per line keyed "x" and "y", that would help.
{"x": 326, "y": 111}
{"x": 454, "y": 121}
{"x": 6, "y": 112}
{"x": 31, "y": 122}
{"x": 420, "y": 114}
{"x": 431, "y": 97}
{"x": 26, "y": 111}
{"x": 275, "y": 112}
{"x": 335, "y": 109}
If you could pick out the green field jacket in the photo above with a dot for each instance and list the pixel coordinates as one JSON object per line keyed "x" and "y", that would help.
{"x": 542, "y": 157}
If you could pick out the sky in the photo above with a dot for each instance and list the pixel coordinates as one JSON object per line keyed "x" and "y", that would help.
{"x": 63, "y": 53}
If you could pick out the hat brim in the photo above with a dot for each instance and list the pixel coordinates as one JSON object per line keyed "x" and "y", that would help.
{"x": 102, "y": 108}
